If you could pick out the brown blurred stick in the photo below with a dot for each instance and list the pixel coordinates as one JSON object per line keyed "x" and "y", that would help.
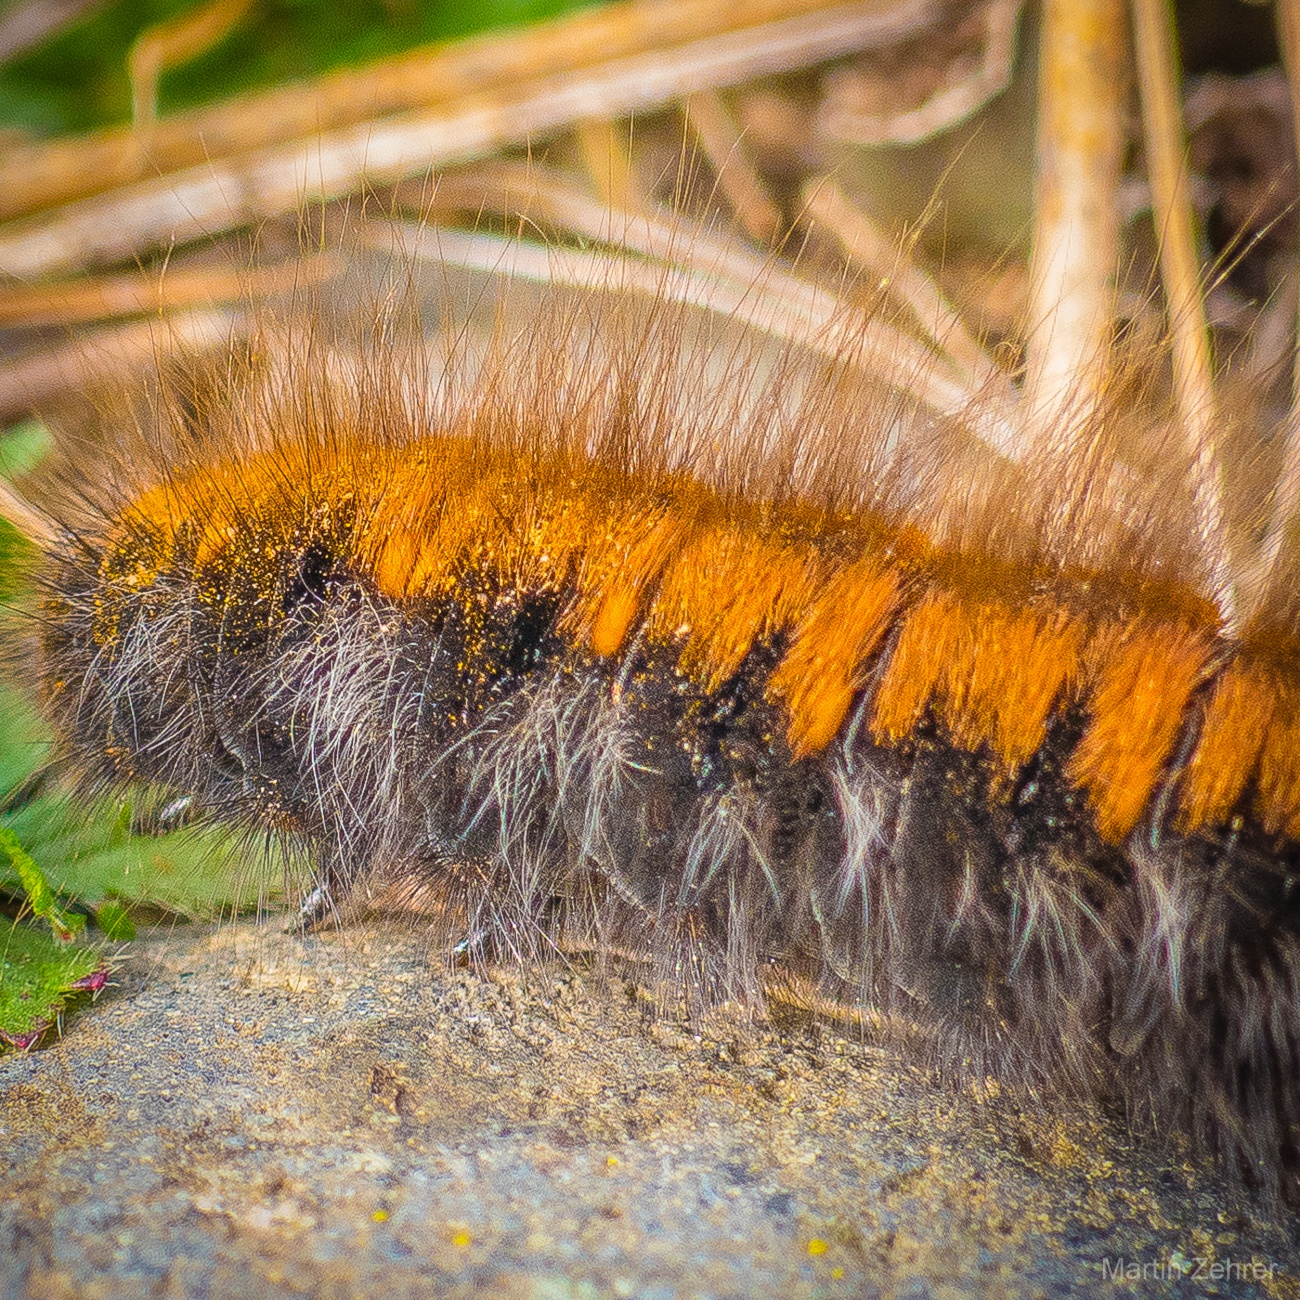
{"x": 678, "y": 46}
{"x": 609, "y": 164}
{"x": 721, "y": 141}
{"x": 802, "y": 316}
{"x": 844, "y": 116}
{"x": 227, "y": 193}
{"x": 168, "y": 44}
{"x": 726, "y": 273}
{"x": 867, "y": 247}
{"x": 1286, "y": 499}
{"x": 1080, "y": 143}
{"x": 78, "y": 302}
{"x": 1162, "y": 123}
{"x": 30, "y": 381}
{"x": 29, "y": 23}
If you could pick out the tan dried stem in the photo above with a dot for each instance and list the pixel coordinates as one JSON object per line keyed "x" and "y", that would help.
{"x": 174, "y": 42}
{"x": 839, "y": 336}
{"x": 608, "y": 163}
{"x": 1162, "y": 121}
{"x": 231, "y": 192}
{"x": 771, "y": 304}
{"x": 720, "y": 138}
{"x": 545, "y": 194}
{"x": 868, "y": 249}
{"x": 713, "y": 273}
{"x": 849, "y": 114}
{"x": 77, "y": 302}
{"x": 1080, "y": 144}
{"x": 25, "y": 24}
{"x": 466, "y": 97}
{"x": 30, "y": 382}
{"x": 1286, "y": 496}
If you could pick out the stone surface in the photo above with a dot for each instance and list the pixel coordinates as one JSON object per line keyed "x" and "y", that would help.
{"x": 248, "y": 1113}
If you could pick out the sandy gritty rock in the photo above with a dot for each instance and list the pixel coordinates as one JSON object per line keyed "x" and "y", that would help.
{"x": 252, "y": 1114}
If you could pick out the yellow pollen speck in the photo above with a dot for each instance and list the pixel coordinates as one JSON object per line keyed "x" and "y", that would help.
{"x": 837, "y": 1272}
{"x": 611, "y": 1161}
{"x": 817, "y": 1246}
{"x": 461, "y": 1239}
{"x": 380, "y": 1216}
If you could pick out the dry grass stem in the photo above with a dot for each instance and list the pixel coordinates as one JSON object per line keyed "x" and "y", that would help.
{"x": 606, "y": 62}
{"x": 844, "y": 115}
{"x": 605, "y": 155}
{"x": 720, "y": 138}
{"x": 110, "y": 354}
{"x": 169, "y": 44}
{"x": 724, "y": 271}
{"x": 227, "y": 193}
{"x": 869, "y": 250}
{"x": 26, "y": 24}
{"x": 1080, "y": 146}
{"x": 804, "y": 321}
{"x": 1194, "y": 397}
{"x": 544, "y": 194}
{"x": 78, "y": 302}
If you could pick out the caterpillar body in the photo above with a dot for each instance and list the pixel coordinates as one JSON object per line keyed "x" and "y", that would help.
{"x": 606, "y": 642}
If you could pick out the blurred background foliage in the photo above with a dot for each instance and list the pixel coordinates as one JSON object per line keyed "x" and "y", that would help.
{"x": 77, "y": 80}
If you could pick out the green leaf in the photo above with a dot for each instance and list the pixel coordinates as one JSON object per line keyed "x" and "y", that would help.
{"x": 22, "y": 447}
{"x": 113, "y": 922}
{"x": 39, "y": 894}
{"x": 89, "y": 855}
{"x": 24, "y": 740}
{"x": 38, "y": 975}
{"x": 16, "y": 557}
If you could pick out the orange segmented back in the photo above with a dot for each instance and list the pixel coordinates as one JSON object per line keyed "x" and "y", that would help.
{"x": 822, "y": 670}
{"x": 726, "y": 587}
{"x": 718, "y": 580}
{"x": 1279, "y": 765}
{"x": 1236, "y": 723}
{"x": 1139, "y": 695}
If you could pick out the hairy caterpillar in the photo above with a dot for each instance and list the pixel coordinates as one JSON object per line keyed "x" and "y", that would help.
{"x": 637, "y": 635}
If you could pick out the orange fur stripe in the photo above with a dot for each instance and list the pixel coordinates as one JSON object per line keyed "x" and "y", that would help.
{"x": 916, "y": 667}
{"x": 217, "y": 497}
{"x": 726, "y": 588}
{"x": 440, "y": 506}
{"x": 821, "y": 671}
{"x": 1007, "y": 670}
{"x": 991, "y": 672}
{"x": 1143, "y": 686}
{"x": 1279, "y": 765}
{"x": 1232, "y": 735}
{"x": 618, "y": 568}
{"x": 614, "y": 617}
